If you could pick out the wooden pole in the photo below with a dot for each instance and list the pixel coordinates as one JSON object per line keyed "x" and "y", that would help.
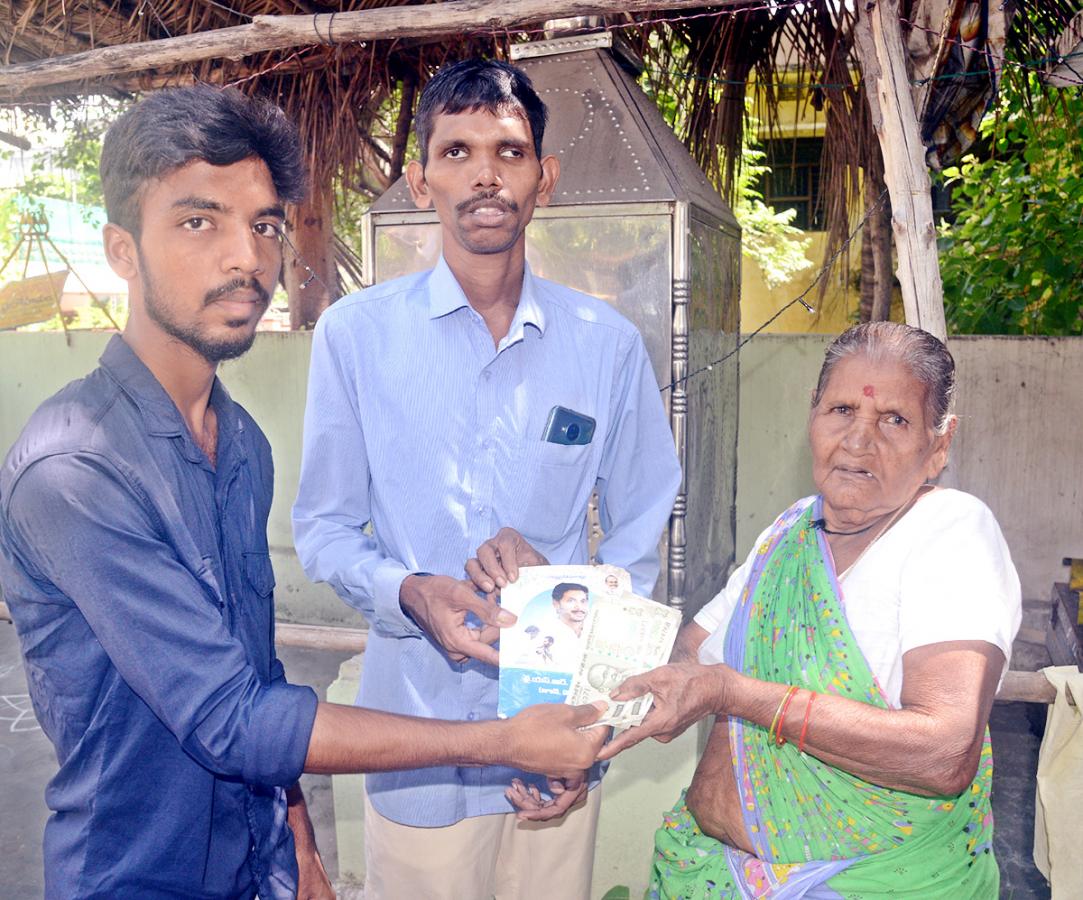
{"x": 882, "y": 56}
{"x": 350, "y": 640}
{"x": 880, "y": 244}
{"x": 281, "y": 32}
{"x": 308, "y": 265}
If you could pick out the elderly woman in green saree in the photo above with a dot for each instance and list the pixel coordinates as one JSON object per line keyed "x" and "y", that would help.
{"x": 851, "y": 663}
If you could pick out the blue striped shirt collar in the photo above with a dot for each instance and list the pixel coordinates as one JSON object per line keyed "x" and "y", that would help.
{"x": 446, "y": 296}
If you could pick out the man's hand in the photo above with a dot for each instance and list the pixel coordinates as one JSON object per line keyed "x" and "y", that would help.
{"x": 312, "y": 880}
{"x": 546, "y": 738}
{"x": 499, "y": 560}
{"x": 439, "y": 605}
{"x": 683, "y": 694}
{"x": 533, "y": 807}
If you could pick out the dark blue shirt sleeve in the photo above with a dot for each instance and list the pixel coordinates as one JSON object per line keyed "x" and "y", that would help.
{"x": 82, "y": 525}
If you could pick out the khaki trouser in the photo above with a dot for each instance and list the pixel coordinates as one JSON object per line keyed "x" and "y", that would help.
{"x": 482, "y": 858}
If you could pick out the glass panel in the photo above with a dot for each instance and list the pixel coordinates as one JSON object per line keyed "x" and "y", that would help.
{"x": 405, "y": 249}
{"x": 622, "y": 260}
{"x": 712, "y": 413}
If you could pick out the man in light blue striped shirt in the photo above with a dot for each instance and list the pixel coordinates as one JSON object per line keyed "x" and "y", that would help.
{"x": 427, "y": 413}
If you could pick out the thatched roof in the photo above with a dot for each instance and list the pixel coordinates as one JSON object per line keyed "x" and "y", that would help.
{"x": 353, "y": 99}
{"x": 334, "y": 93}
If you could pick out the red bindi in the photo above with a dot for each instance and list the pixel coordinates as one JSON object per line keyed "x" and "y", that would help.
{"x": 869, "y": 391}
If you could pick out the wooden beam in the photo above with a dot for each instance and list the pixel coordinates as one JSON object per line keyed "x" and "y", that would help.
{"x": 1026, "y": 687}
{"x": 15, "y": 141}
{"x": 326, "y": 637}
{"x": 280, "y": 32}
{"x": 882, "y": 56}
{"x": 310, "y": 637}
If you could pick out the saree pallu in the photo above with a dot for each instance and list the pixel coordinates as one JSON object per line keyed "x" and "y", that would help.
{"x": 817, "y": 831}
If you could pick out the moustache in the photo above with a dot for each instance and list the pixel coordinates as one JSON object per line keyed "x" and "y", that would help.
{"x": 238, "y": 284}
{"x": 490, "y": 198}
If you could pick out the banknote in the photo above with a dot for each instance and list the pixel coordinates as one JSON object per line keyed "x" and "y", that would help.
{"x": 622, "y": 636}
{"x": 541, "y": 652}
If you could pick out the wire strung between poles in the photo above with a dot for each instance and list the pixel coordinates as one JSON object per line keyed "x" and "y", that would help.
{"x": 800, "y": 298}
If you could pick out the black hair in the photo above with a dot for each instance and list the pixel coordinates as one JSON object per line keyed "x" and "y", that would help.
{"x": 170, "y": 128}
{"x": 477, "y": 84}
{"x": 561, "y": 589}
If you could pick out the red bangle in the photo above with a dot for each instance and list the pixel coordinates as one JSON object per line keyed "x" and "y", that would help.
{"x": 779, "y": 739}
{"x": 774, "y": 722}
{"x": 804, "y": 725}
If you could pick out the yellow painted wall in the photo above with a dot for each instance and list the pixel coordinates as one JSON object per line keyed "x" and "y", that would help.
{"x": 838, "y": 310}
{"x": 835, "y": 314}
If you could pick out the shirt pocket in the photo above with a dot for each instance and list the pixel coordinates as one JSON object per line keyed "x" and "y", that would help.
{"x": 255, "y": 614}
{"x": 554, "y": 484}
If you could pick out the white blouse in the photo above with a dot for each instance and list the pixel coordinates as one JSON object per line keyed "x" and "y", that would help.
{"x": 943, "y": 572}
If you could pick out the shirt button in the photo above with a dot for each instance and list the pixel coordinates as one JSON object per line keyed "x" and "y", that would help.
{"x": 481, "y": 510}
{"x": 487, "y": 375}
{"x": 471, "y": 716}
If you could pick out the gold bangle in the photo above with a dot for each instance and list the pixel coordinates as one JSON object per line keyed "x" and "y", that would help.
{"x": 774, "y": 722}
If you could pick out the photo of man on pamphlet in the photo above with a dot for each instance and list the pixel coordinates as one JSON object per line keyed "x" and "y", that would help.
{"x": 580, "y": 633}
{"x": 542, "y": 651}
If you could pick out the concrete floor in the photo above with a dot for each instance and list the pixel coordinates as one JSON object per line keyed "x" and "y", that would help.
{"x": 27, "y": 762}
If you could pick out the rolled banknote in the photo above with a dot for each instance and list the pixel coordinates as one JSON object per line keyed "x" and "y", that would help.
{"x": 622, "y": 636}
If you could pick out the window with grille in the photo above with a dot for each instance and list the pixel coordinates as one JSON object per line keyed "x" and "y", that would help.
{"x": 794, "y": 180}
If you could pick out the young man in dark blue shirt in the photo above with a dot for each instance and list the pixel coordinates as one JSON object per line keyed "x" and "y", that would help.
{"x": 133, "y": 553}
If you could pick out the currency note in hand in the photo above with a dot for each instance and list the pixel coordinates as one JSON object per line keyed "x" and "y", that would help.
{"x": 622, "y": 636}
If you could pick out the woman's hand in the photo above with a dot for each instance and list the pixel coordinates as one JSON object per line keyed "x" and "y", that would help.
{"x": 683, "y": 694}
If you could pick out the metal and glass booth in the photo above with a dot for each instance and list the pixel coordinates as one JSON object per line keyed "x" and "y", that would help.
{"x": 635, "y": 222}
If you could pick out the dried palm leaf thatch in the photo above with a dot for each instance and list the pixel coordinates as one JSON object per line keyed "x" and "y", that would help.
{"x": 354, "y": 101}
{"x": 334, "y": 92}
{"x": 709, "y": 65}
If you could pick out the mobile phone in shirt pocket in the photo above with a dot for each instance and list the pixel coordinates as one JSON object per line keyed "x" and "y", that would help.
{"x": 568, "y": 427}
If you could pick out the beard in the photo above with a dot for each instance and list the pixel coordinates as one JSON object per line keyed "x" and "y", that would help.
{"x": 213, "y": 348}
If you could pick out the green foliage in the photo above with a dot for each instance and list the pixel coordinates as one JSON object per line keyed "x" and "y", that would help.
{"x": 70, "y": 171}
{"x": 767, "y": 237}
{"x": 84, "y": 318}
{"x": 9, "y": 223}
{"x": 65, "y": 172}
{"x": 1012, "y": 261}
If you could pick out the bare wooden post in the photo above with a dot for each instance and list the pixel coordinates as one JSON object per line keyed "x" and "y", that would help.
{"x": 308, "y": 268}
{"x": 880, "y": 241}
{"x": 882, "y": 56}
